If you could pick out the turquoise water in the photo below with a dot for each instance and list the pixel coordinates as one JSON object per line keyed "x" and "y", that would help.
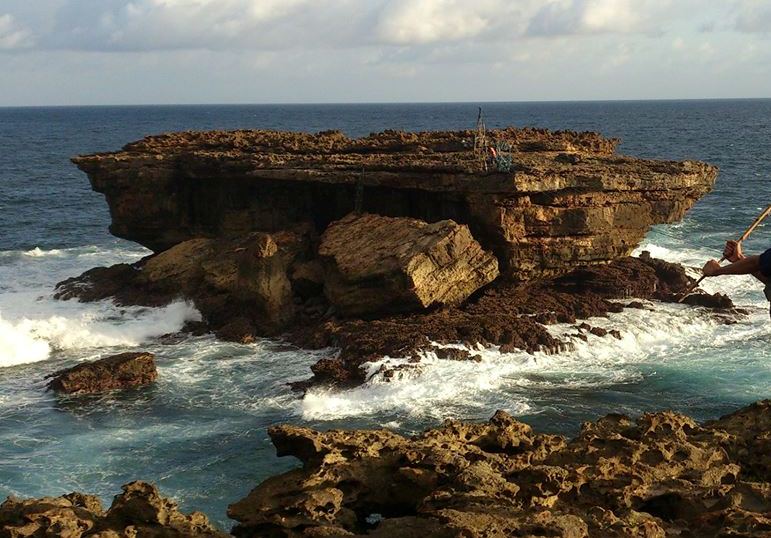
{"x": 200, "y": 432}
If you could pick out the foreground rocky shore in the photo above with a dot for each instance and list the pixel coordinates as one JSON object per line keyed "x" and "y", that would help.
{"x": 660, "y": 475}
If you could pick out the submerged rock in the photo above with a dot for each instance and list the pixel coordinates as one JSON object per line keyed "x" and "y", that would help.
{"x": 661, "y": 475}
{"x": 123, "y": 371}
{"x": 554, "y": 201}
{"x": 377, "y": 265}
{"x": 139, "y": 512}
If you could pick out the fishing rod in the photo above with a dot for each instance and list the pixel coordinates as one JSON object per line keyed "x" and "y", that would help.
{"x": 744, "y": 236}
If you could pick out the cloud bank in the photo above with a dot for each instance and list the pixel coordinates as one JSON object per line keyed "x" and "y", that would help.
{"x": 142, "y": 25}
{"x": 158, "y": 51}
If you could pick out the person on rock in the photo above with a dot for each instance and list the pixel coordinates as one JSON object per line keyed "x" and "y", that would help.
{"x": 758, "y": 266}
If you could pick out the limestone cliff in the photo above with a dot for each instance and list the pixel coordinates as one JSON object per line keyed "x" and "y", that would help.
{"x": 547, "y": 201}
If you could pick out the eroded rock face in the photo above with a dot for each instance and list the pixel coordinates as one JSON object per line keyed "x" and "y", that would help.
{"x": 661, "y": 475}
{"x": 377, "y": 265}
{"x": 240, "y": 285}
{"x": 139, "y": 511}
{"x": 558, "y": 200}
{"x": 123, "y": 371}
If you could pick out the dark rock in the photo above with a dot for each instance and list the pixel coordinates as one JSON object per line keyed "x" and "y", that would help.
{"x": 239, "y": 330}
{"x": 308, "y": 279}
{"x": 598, "y": 331}
{"x": 127, "y": 370}
{"x": 717, "y": 300}
{"x": 455, "y": 354}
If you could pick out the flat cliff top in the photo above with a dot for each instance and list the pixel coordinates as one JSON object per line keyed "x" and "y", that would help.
{"x": 526, "y": 160}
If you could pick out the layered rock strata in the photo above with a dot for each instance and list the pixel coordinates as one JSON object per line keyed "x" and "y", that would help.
{"x": 378, "y": 265}
{"x": 549, "y": 201}
{"x": 123, "y": 371}
{"x": 139, "y": 511}
{"x": 660, "y": 475}
{"x": 387, "y": 244}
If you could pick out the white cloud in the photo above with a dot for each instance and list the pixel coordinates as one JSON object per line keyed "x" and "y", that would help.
{"x": 410, "y": 22}
{"x": 12, "y": 36}
{"x": 599, "y": 16}
{"x": 753, "y": 16}
{"x": 143, "y": 25}
{"x": 405, "y": 22}
{"x": 176, "y": 24}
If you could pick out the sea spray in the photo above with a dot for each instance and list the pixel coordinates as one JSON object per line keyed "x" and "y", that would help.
{"x": 33, "y": 325}
{"x": 19, "y": 346}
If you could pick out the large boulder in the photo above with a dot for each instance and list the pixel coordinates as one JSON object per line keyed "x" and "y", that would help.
{"x": 139, "y": 511}
{"x": 127, "y": 370}
{"x": 248, "y": 273}
{"x": 242, "y": 281}
{"x": 377, "y": 264}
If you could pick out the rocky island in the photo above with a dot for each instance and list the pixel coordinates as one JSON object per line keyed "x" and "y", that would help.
{"x": 390, "y": 243}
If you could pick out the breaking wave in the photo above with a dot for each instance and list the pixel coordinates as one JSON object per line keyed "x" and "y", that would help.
{"x": 33, "y": 325}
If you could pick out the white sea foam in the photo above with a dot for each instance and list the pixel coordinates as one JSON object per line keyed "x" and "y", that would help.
{"x": 664, "y": 333}
{"x": 33, "y": 325}
{"x": 37, "y": 252}
{"x": 95, "y": 326}
{"x": 18, "y": 346}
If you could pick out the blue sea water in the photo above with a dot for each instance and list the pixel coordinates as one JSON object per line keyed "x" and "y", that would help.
{"x": 200, "y": 431}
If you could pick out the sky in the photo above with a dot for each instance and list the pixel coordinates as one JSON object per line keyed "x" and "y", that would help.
{"x": 79, "y": 52}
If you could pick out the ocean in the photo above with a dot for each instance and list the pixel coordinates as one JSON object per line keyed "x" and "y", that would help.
{"x": 200, "y": 432}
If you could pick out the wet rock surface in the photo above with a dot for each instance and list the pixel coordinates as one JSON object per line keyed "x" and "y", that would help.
{"x": 510, "y": 315}
{"x": 660, "y": 475}
{"x": 123, "y": 371}
{"x": 243, "y": 280}
{"x": 139, "y": 511}
{"x": 555, "y": 200}
{"x": 243, "y": 295}
{"x": 377, "y": 265}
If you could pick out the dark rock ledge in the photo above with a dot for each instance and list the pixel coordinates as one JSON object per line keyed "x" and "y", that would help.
{"x": 123, "y": 371}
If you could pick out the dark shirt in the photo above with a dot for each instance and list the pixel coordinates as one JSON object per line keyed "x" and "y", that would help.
{"x": 765, "y": 263}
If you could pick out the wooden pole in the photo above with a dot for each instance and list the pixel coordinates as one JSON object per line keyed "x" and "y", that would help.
{"x": 744, "y": 236}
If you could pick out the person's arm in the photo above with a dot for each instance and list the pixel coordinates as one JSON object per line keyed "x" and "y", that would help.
{"x": 733, "y": 253}
{"x": 749, "y": 265}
